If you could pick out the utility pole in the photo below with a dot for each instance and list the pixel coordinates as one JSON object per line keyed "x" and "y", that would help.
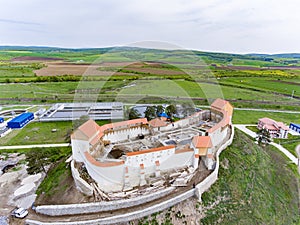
{"x": 292, "y": 96}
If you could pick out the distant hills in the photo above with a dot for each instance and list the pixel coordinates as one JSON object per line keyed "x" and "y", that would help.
{"x": 281, "y": 55}
{"x": 256, "y": 60}
{"x": 122, "y": 48}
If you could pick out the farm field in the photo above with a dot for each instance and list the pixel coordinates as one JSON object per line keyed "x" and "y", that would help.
{"x": 251, "y": 117}
{"x": 285, "y": 86}
{"x": 47, "y": 75}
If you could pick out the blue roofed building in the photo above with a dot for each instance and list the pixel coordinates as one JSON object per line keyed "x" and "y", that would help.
{"x": 295, "y": 127}
{"x": 21, "y": 120}
{"x": 1, "y": 120}
{"x": 163, "y": 115}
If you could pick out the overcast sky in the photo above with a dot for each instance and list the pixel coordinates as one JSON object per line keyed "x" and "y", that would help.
{"x": 240, "y": 26}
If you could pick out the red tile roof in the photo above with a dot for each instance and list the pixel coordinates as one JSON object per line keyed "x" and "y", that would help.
{"x": 219, "y": 103}
{"x": 202, "y": 142}
{"x": 222, "y": 105}
{"x": 272, "y": 124}
{"x": 157, "y": 122}
{"x": 89, "y": 128}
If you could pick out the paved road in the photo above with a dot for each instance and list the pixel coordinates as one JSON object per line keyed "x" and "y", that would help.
{"x": 243, "y": 128}
{"x": 34, "y": 146}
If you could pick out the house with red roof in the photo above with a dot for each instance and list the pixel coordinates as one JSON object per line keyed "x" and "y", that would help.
{"x": 275, "y": 129}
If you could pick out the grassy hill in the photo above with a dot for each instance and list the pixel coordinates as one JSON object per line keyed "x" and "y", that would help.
{"x": 258, "y": 184}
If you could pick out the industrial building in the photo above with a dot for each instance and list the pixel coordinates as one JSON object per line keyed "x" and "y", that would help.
{"x": 73, "y": 111}
{"x": 21, "y": 120}
{"x": 295, "y": 127}
{"x": 1, "y": 120}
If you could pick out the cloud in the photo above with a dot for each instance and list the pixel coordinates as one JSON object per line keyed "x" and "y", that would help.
{"x": 18, "y": 22}
{"x": 216, "y": 25}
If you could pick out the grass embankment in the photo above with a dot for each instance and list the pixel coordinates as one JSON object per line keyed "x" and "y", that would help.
{"x": 258, "y": 183}
{"x": 56, "y": 174}
{"x": 290, "y": 144}
{"x": 58, "y": 186}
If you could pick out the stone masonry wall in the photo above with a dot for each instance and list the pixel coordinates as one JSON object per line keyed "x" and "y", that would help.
{"x": 128, "y": 216}
{"x": 73, "y": 209}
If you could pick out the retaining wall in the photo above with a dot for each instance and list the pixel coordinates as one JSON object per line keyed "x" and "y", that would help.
{"x": 73, "y": 209}
{"x": 81, "y": 184}
{"x": 128, "y": 216}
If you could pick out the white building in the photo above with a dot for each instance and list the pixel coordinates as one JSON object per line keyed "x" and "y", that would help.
{"x": 73, "y": 111}
{"x": 275, "y": 129}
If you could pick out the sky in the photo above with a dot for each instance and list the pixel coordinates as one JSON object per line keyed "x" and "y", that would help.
{"x": 235, "y": 26}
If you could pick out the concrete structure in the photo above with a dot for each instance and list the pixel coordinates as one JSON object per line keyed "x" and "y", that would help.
{"x": 295, "y": 127}
{"x": 21, "y": 120}
{"x": 275, "y": 129}
{"x": 124, "y": 155}
{"x": 73, "y": 111}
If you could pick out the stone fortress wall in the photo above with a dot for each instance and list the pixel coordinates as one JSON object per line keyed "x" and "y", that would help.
{"x": 221, "y": 135}
{"x": 110, "y": 174}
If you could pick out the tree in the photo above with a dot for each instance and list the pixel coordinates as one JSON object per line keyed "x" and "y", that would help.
{"x": 263, "y": 136}
{"x": 150, "y": 112}
{"x": 134, "y": 114}
{"x": 159, "y": 109}
{"x": 171, "y": 110}
{"x": 39, "y": 158}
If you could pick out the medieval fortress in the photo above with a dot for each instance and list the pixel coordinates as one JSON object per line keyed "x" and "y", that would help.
{"x": 122, "y": 156}
{"x": 126, "y": 165}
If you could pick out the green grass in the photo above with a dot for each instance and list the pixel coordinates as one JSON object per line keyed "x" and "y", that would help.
{"x": 265, "y": 84}
{"x": 38, "y": 133}
{"x": 251, "y": 117}
{"x": 290, "y": 144}
{"x": 259, "y": 187}
{"x": 58, "y": 172}
{"x": 253, "y": 128}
